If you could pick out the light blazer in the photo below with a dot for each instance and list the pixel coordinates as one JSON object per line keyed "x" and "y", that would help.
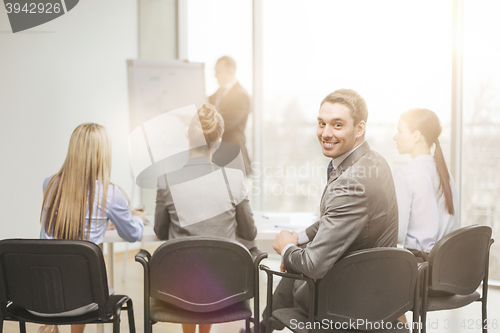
{"x": 197, "y": 197}
{"x": 234, "y": 108}
{"x": 358, "y": 211}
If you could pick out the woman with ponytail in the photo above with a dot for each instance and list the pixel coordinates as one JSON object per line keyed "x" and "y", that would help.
{"x": 203, "y": 199}
{"x": 80, "y": 200}
{"x": 426, "y": 193}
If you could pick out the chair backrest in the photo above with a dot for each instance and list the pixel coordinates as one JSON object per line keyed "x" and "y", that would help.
{"x": 52, "y": 276}
{"x": 371, "y": 285}
{"x": 202, "y": 274}
{"x": 459, "y": 260}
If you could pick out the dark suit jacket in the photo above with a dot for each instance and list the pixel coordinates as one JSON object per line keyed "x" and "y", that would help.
{"x": 358, "y": 211}
{"x": 234, "y": 108}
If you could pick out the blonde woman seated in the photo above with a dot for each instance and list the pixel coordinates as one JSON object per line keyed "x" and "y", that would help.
{"x": 426, "y": 193}
{"x": 203, "y": 199}
{"x": 79, "y": 201}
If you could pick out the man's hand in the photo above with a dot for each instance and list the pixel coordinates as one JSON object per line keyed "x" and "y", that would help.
{"x": 283, "y": 239}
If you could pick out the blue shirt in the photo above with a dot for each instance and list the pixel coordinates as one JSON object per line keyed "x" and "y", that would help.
{"x": 128, "y": 226}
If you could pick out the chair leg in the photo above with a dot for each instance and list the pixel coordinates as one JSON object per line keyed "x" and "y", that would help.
{"x": 130, "y": 313}
{"x": 484, "y": 315}
{"x": 269, "y": 307}
{"x": 423, "y": 320}
{"x": 22, "y": 327}
{"x": 247, "y": 326}
{"x": 484, "y": 296}
{"x": 116, "y": 320}
{"x": 423, "y": 308}
{"x": 116, "y": 324}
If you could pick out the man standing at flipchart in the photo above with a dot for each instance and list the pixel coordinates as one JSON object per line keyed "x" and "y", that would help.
{"x": 233, "y": 103}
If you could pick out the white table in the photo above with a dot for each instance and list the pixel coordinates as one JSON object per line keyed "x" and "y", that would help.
{"x": 269, "y": 224}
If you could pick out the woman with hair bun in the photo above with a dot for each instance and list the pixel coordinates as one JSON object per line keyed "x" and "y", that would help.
{"x": 202, "y": 198}
{"x": 426, "y": 193}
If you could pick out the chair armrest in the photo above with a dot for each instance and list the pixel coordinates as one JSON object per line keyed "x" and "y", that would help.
{"x": 286, "y": 274}
{"x": 423, "y": 272}
{"x": 420, "y": 301}
{"x": 310, "y": 283}
{"x": 256, "y": 299}
{"x": 423, "y": 266}
{"x": 259, "y": 258}
{"x": 143, "y": 255}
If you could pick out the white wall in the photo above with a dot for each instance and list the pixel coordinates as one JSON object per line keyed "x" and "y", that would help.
{"x": 52, "y": 78}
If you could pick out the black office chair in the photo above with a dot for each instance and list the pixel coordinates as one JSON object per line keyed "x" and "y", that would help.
{"x": 372, "y": 285}
{"x": 200, "y": 280}
{"x": 41, "y": 278}
{"x": 459, "y": 262}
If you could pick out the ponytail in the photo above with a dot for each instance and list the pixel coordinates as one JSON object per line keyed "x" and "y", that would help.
{"x": 444, "y": 178}
{"x": 427, "y": 122}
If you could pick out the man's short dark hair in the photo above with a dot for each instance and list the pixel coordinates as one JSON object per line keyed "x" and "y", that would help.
{"x": 229, "y": 63}
{"x": 352, "y": 100}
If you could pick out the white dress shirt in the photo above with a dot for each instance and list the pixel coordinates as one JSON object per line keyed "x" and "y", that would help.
{"x": 423, "y": 217}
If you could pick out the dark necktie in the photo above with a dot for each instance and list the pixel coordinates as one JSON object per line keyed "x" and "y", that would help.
{"x": 330, "y": 170}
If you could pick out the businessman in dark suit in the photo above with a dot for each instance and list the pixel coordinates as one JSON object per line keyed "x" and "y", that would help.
{"x": 233, "y": 103}
{"x": 358, "y": 209}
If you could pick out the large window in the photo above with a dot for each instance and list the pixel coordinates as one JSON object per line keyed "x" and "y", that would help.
{"x": 396, "y": 54}
{"x": 222, "y": 27}
{"x": 481, "y": 120}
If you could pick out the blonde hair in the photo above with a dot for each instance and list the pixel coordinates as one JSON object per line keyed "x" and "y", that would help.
{"x": 212, "y": 125}
{"x": 71, "y": 192}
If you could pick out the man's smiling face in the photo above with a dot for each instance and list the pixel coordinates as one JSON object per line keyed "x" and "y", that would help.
{"x": 337, "y": 132}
